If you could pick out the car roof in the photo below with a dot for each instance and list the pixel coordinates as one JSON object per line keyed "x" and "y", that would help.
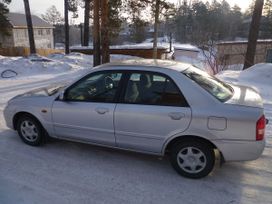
{"x": 146, "y": 63}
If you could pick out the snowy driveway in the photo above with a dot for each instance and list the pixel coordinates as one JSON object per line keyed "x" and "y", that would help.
{"x": 65, "y": 172}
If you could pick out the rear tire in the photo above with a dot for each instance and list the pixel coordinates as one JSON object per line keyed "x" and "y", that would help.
{"x": 192, "y": 159}
{"x": 30, "y": 130}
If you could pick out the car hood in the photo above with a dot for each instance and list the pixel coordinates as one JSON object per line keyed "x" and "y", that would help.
{"x": 41, "y": 92}
{"x": 245, "y": 96}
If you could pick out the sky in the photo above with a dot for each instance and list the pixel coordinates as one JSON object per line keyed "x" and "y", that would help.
{"x": 39, "y": 7}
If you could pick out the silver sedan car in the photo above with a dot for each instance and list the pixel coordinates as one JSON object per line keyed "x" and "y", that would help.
{"x": 149, "y": 106}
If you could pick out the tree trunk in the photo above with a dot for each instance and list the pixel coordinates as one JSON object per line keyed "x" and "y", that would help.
{"x": 155, "y": 40}
{"x": 30, "y": 28}
{"x": 66, "y": 19}
{"x": 86, "y": 23}
{"x": 170, "y": 43}
{"x": 96, "y": 34}
{"x": 105, "y": 32}
{"x": 253, "y": 34}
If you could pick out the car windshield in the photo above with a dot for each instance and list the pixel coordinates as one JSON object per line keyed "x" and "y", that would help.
{"x": 214, "y": 86}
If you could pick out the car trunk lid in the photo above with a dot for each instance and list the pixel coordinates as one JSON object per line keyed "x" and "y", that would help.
{"x": 245, "y": 96}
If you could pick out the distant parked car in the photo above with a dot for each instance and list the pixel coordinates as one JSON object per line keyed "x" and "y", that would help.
{"x": 155, "y": 107}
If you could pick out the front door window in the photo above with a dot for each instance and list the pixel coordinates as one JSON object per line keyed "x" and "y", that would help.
{"x": 98, "y": 87}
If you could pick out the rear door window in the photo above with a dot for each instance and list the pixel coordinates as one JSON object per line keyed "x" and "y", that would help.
{"x": 153, "y": 89}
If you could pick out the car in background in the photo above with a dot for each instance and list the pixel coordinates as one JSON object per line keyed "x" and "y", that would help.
{"x": 149, "y": 106}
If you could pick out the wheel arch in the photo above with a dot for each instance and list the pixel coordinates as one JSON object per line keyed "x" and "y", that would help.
{"x": 169, "y": 143}
{"x": 23, "y": 113}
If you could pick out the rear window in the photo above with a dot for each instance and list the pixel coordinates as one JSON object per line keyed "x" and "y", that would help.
{"x": 214, "y": 86}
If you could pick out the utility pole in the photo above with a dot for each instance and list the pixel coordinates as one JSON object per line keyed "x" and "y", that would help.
{"x": 29, "y": 28}
{"x": 253, "y": 34}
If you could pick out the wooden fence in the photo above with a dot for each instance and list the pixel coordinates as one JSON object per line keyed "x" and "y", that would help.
{"x": 25, "y": 51}
{"x": 138, "y": 52}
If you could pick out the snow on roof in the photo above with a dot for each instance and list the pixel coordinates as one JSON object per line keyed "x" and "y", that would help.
{"x": 19, "y": 20}
{"x": 244, "y": 41}
{"x": 186, "y": 47}
{"x": 138, "y": 46}
{"x": 127, "y": 46}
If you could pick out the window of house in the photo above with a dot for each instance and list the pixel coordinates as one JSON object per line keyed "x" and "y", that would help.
{"x": 47, "y": 31}
{"x": 40, "y": 32}
{"x": 153, "y": 89}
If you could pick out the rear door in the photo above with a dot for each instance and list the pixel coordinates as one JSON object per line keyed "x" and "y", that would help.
{"x": 152, "y": 109}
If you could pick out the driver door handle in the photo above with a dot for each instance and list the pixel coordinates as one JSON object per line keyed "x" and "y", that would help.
{"x": 102, "y": 110}
{"x": 176, "y": 116}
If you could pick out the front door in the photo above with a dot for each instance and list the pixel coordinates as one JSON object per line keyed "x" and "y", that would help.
{"x": 86, "y": 113}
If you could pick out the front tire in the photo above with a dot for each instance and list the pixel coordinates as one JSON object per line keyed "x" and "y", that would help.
{"x": 30, "y": 130}
{"x": 192, "y": 159}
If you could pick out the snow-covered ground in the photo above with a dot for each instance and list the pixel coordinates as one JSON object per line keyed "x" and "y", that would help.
{"x": 66, "y": 172}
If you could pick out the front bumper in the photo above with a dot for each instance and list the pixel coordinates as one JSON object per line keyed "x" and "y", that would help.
{"x": 8, "y": 115}
{"x": 234, "y": 150}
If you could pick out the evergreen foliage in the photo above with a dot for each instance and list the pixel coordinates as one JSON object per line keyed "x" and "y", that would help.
{"x": 53, "y": 16}
{"x": 4, "y": 23}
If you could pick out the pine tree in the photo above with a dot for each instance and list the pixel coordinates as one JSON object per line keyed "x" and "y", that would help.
{"x": 53, "y": 16}
{"x": 86, "y": 23}
{"x": 104, "y": 31}
{"x": 267, "y": 24}
{"x": 156, "y": 22}
{"x": 4, "y": 23}
{"x": 136, "y": 9}
{"x": 160, "y": 8}
{"x": 96, "y": 34}
{"x": 66, "y": 23}
{"x": 72, "y": 6}
{"x": 115, "y": 19}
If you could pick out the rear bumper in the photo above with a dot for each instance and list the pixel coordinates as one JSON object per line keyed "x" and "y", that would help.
{"x": 240, "y": 150}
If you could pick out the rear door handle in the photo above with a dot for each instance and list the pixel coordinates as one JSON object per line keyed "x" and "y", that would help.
{"x": 176, "y": 116}
{"x": 102, "y": 110}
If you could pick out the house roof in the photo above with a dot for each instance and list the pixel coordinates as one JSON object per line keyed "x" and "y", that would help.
{"x": 19, "y": 20}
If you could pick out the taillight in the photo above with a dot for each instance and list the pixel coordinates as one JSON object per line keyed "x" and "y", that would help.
{"x": 260, "y": 128}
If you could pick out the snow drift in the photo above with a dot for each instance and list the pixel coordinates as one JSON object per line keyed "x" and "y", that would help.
{"x": 258, "y": 76}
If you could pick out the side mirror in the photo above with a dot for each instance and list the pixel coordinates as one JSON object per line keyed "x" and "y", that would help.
{"x": 62, "y": 96}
